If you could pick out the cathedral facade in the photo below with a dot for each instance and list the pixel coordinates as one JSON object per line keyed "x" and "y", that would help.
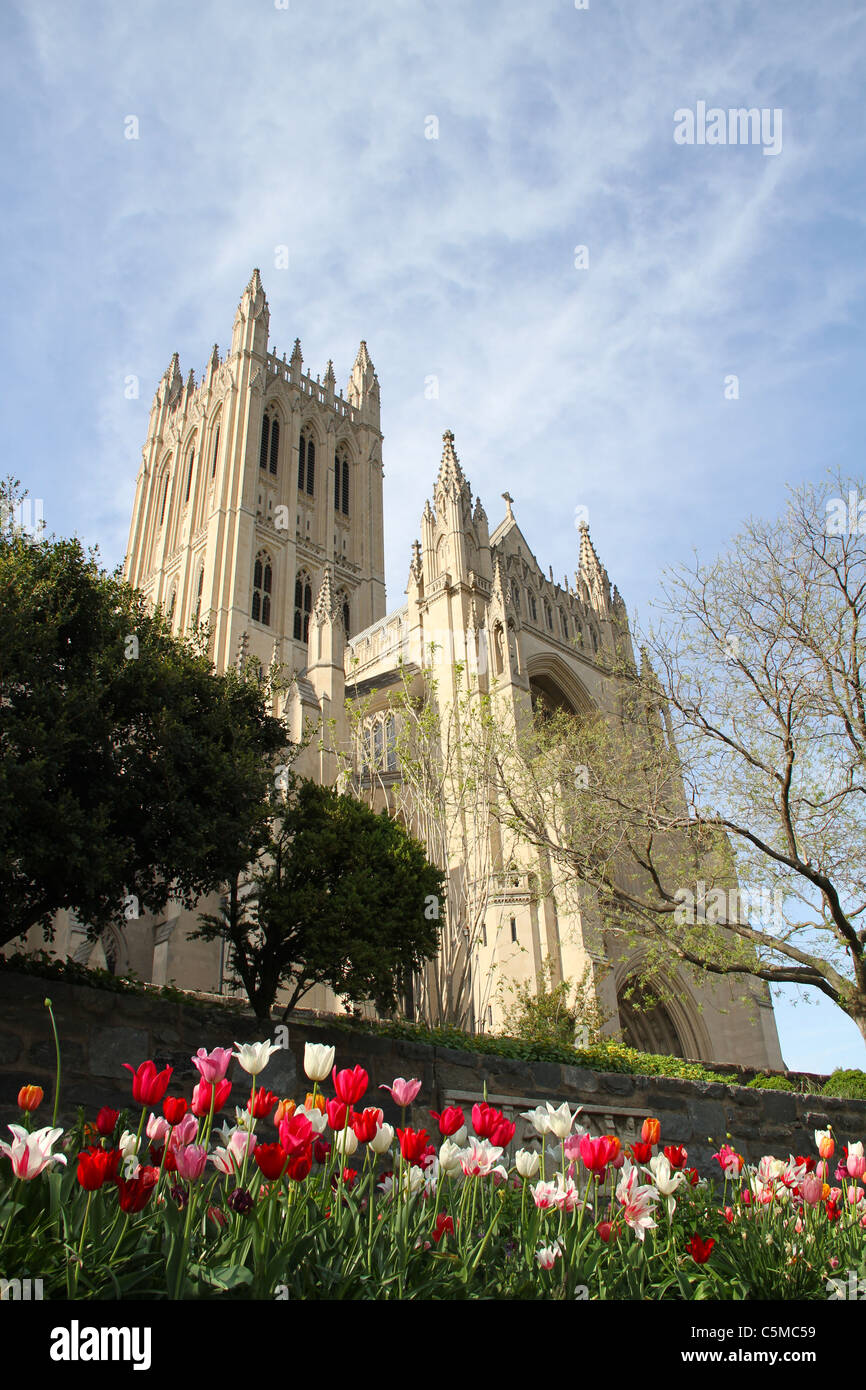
{"x": 259, "y": 510}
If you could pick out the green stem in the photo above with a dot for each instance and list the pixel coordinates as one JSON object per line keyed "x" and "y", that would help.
{"x": 47, "y": 1003}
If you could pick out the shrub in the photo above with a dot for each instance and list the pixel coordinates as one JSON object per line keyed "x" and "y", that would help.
{"x": 847, "y": 1085}
{"x": 771, "y": 1083}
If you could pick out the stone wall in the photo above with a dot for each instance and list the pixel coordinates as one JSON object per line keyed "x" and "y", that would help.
{"x": 100, "y": 1030}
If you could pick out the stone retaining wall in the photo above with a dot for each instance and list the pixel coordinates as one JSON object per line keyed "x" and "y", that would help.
{"x": 100, "y": 1030}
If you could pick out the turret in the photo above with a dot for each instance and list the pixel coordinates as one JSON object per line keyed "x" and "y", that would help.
{"x": 250, "y": 332}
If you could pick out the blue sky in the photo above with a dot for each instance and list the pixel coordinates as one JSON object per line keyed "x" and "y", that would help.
{"x": 261, "y": 127}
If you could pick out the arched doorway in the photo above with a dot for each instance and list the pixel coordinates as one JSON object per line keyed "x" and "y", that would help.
{"x": 646, "y": 1023}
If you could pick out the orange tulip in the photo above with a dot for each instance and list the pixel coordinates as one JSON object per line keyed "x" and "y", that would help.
{"x": 284, "y": 1111}
{"x": 316, "y": 1102}
{"x": 650, "y": 1131}
{"x": 615, "y": 1145}
{"x": 30, "y": 1097}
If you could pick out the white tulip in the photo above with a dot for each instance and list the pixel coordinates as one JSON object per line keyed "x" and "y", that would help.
{"x": 382, "y": 1139}
{"x": 528, "y": 1162}
{"x": 318, "y": 1060}
{"x": 449, "y": 1158}
{"x": 346, "y": 1142}
{"x": 254, "y": 1057}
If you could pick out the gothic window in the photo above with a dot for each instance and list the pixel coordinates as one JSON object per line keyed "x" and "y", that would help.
{"x": 275, "y": 445}
{"x": 262, "y": 589}
{"x": 391, "y": 744}
{"x": 498, "y": 650}
{"x": 164, "y": 498}
{"x": 594, "y": 637}
{"x": 367, "y": 750}
{"x": 216, "y": 445}
{"x": 196, "y": 618}
{"x": 265, "y": 445}
{"x": 307, "y": 465}
{"x": 191, "y": 458}
{"x": 515, "y": 594}
{"x": 341, "y": 484}
{"x": 378, "y": 744}
{"x": 514, "y": 929}
{"x": 303, "y": 606}
{"x": 548, "y": 615}
{"x": 533, "y": 608}
{"x": 564, "y": 621}
{"x": 343, "y": 606}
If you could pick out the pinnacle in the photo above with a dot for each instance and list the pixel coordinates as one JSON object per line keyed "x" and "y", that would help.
{"x": 325, "y": 598}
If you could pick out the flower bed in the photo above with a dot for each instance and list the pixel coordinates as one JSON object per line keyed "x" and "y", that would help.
{"x": 316, "y": 1196}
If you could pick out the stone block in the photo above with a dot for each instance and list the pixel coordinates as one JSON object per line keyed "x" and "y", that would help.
{"x": 111, "y": 1047}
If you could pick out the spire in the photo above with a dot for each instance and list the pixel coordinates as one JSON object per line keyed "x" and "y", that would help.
{"x": 173, "y": 379}
{"x": 363, "y": 390}
{"x": 214, "y": 358}
{"x": 479, "y": 513}
{"x": 450, "y": 473}
{"x": 190, "y": 382}
{"x": 330, "y": 380}
{"x": 325, "y": 609}
{"x": 416, "y": 568}
{"x": 590, "y": 566}
{"x": 250, "y": 332}
{"x": 254, "y": 285}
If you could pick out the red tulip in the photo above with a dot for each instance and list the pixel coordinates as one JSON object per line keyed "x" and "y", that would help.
{"x": 450, "y": 1120}
{"x": 486, "y": 1120}
{"x": 263, "y": 1104}
{"x": 692, "y": 1175}
{"x": 350, "y": 1085}
{"x": 700, "y": 1249}
{"x": 321, "y": 1149}
{"x": 201, "y": 1097}
{"x": 502, "y": 1132}
{"x": 272, "y": 1159}
{"x": 296, "y": 1134}
{"x": 134, "y": 1192}
{"x": 607, "y": 1231}
{"x": 676, "y": 1155}
{"x": 174, "y": 1108}
{"x": 366, "y": 1124}
{"x": 413, "y": 1144}
{"x": 106, "y": 1120}
{"x": 299, "y": 1166}
{"x": 95, "y": 1165}
{"x": 337, "y": 1112}
{"x": 444, "y": 1225}
{"x": 641, "y": 1152}
{"x": 597, "y": 1153}
{"x": 149, "y": 1085}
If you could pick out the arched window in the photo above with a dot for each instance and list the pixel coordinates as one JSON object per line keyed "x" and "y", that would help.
{"x": 390, "y": 743}
{"x": 275, "y": 445}
{"x": 564, "y": 621}
{"x": 498, "y": 650}
{"x": 548, "y": 615}
{"x": 164, "y": 498}
{"x": 378, "y": 744}
{"x": 260, "y": 609}
{"x": 303, "y": 606}
{"x": 344, "y": 609}
{"x": 307, "y": 465}
{"x": 515, "y": 594}
{"x": 191, "y": 461}
{"x": 533, "y": 608}
{"x": 341, "y": 484}
{"x": 196, "y": 618}
{"x": 216, "y": 445}
{"x": 266, "y": 436}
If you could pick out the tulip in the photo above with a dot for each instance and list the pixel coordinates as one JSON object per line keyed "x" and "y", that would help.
{"x": 184, "y": 1131}
{"x": 134, "y": 1192}
{"x": 527, "y": 1162}
{"x": 824, "y": 1143}
{"x": 346, "y": 1142}
{"x": 403, "y": 1092}
{"x": 560, "y": 1120}
{"x": 31, "y": 1154}
{"x": 174, "y": 1108}
{"x": 254, "y": 1057}
{"x": 230, "y": 1159}
{"x": 284, "y": 1111}
{"x": 95, "y": 1165}
{"x": 450, "y": 1120}
{"x": 148, "y": 1085}
{"x": 191, "y": 1161}
{"x": 855, "y": 1161}
{"x": 106, "y": 1121}
{"x": 128, "y": 1144}
{"x": 596, "y": 1153}
{"x": 450, "y": 1159}
{"x": 366, "y": 1125}
{"x": 299, "y": 1166}
{"x": 855, "y": 1194}
{"x": 201, "y": 1097}
{"x": 479, "y": 1159}
{"x": 731, "y": 1163}
{"x": 538, "y": 1118}
{"x": 650, "y": 1131}
{"x": 444, "y": 1227}
{"x": 212, "y": 1066}
{"x": 318, "y": 1060}
{"x": 382, "y": 1139}
{"x": 337, "y": 1112}
{"x": 606, "y": 1231}
{"x": 262, "y": 1104}
{"x": 315, "y": 1102}
{"x": 676, "y": 1155}
{"x": 548, "y": 1255}
{"x": 157, "y": 1129}
{"x": 321, "y": 1149}
{"x": 272, "y": 1160}
{"x": 30, "y": 1097}
{"x": 350, "y": 1085}
{"x": 316, "y": 1117}
{"x": 240, "y": 1201}
{"x": 700, "y": 1249}
{"x": 413, "y": 1144}
{"x": 485, "y": 1119}
{"x": 296, "y": 1133}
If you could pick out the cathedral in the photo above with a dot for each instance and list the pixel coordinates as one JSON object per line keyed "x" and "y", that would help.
{"x": 259, "y": 510}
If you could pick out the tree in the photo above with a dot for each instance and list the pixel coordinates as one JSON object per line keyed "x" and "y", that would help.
{"x": 129, "y": 771}
{"x": 716, "y": 814}
{"x": 339, "y": 896}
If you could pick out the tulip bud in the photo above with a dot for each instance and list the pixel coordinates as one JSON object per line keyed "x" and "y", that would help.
{"x": 318, "y": 1060}
{"x": 527, "y": 1162}
{"x": 30, "y": 1097}
{"x": 284, "y": 1111}
{"x": 825, "y": 1143}
{"x": 650, "y": 1131}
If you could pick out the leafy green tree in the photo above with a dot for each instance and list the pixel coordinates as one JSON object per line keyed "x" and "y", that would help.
{"x": 340, "y": 896}
{"x": 129, "y": 771}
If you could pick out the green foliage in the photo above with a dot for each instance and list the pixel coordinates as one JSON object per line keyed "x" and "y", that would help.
{"x": 129, "y": 771}
{"x": 771, "y": 1083}
{"x": 554, "y": 1012}
{"x": 846, "y": 1084}
{"x": 341, "y": 896}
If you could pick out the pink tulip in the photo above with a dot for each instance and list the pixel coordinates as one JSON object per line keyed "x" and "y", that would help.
{"x": 30, "y": 1154}
{"x": 855, "y": 1193}
{"x": 856, "y": 1165}
{"x": 403, "y": 1092}
{"x": 212, "y": 1066}
{"x": 185, "y": 1132}
{"x": 811, "y": 1187}
{"x": 158, "y": 1128}
{"x": 191, "y": 1161}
